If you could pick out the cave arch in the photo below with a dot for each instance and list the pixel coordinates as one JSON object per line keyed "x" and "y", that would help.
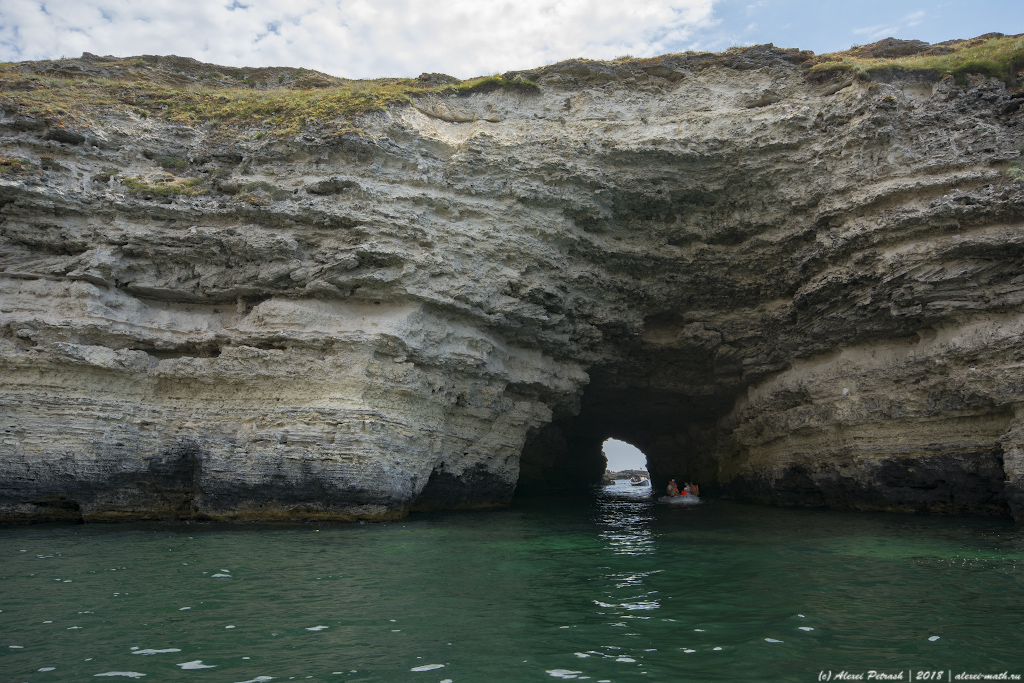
{"x": 675, "y": 432}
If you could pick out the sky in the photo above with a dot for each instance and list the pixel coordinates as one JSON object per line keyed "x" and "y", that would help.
{"x": 466, "y": 38}
{"x": 623, "y": 456}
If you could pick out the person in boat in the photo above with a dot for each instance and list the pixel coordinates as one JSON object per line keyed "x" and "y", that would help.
{"x": 686, "y": 489}
{"x": 694, "y": 489}
{"x": 672, "y": 490}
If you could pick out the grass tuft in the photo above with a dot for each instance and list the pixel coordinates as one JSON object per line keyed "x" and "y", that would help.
{"x": 15, "y": 166}
{"x": 1016, "y": 172}
{"x": 173, "y": 163}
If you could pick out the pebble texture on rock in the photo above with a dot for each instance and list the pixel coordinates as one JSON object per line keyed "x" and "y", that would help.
{"x": 790, "y": 290}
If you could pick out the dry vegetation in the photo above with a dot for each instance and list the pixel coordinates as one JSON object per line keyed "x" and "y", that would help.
{"x": 263, "y": 102}
{"x": 1000, "y": 57}
{"x": 277, "y": 102}
{"x": 995, "y": 55}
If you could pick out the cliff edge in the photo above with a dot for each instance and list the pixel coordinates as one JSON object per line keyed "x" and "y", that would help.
{"x": 270, "y": 293}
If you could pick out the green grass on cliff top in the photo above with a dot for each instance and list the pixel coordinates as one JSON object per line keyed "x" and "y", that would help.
{"x": 284, "y": 101}
{"x": 999, "y": 56}
{"x": 274, "y": 101}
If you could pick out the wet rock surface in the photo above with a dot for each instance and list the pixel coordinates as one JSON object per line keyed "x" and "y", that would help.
{"x": 788, "y": 290}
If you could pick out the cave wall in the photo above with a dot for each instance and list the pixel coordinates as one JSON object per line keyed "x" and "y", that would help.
{"x": 810, "y": 297}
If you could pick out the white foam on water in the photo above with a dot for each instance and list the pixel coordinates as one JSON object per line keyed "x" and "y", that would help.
{"x": 221, "y": 576}
{"x": 805, "y": 628}
{"x": 47, "y": 622}
{"x": 151, "y": 651}
{"x": 197, "y": 664}
{"x": 317, "y": 628}
{"x": 427, "y": 667}
{"x": 72, "y": 628}
{"x": 933, "y": 638}
{"x": 16, "y": 647}
{"x": 67, "y": 580}
{"x": 392, "y": 620}
{"x": 446, "y": 680}
{"x": 801, "y": 616}
{"x": 182, "y": 609}
{"x": 716, "y": 648}
{"x": 245, "y": 658}
{"x": 48, "y": 668}
{"x": 625, "y": 659}
{"x": 259, "y": 679}
{"x": 772, "y": 640}
{"x": 396, "y": 630}
{"x": 563, "y": 673}
{"x": 699, "y": 630}
{"x": 229, "y": 626}
{"x": 126, "y": 674}
{"x": 689, "y": 652}
{"x": 134, "y": 648}
{"x": 226, "y": 571}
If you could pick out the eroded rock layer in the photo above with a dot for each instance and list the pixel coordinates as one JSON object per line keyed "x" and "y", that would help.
{"x": 790, "y": 289}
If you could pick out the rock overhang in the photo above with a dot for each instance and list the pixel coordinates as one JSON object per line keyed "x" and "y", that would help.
{"x": 478, "y": 289}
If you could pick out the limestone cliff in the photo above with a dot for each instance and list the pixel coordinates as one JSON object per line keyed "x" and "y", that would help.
{"x": 790, "y": 282}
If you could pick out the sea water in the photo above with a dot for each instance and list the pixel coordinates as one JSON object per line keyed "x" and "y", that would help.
{"x": 610, "y": 587}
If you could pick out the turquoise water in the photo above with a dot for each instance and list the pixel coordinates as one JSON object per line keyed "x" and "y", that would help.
{"x": 605, "y": 589}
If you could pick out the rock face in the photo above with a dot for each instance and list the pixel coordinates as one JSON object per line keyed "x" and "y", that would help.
{"x": 789, "y": 290}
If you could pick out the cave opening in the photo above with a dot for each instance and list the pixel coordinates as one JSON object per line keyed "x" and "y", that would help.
{"x": 651, "y": 404}
{"x": 622, "y": 456}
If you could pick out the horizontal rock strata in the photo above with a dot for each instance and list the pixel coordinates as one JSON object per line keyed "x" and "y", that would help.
{"x": 790, "y": 289}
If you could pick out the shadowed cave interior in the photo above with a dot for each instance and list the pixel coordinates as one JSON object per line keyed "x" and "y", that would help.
{"x": 675, "y": 432}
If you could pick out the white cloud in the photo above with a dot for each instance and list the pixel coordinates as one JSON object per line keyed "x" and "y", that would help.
{"x": 914, "y": 19}
{"x": 354, "y": 38}
{"x": 884, "y": 31}
{"x": 876, "y": 32}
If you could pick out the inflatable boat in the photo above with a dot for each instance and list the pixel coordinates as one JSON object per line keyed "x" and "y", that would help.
{"x": 680, "y": 500}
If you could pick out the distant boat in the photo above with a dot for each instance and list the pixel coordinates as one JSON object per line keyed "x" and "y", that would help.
{"x": 638, "y": 480}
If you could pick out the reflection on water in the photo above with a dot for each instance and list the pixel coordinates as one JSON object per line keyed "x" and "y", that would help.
{"x": 624, "y": 513}
{"x": 611, "y": 588}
